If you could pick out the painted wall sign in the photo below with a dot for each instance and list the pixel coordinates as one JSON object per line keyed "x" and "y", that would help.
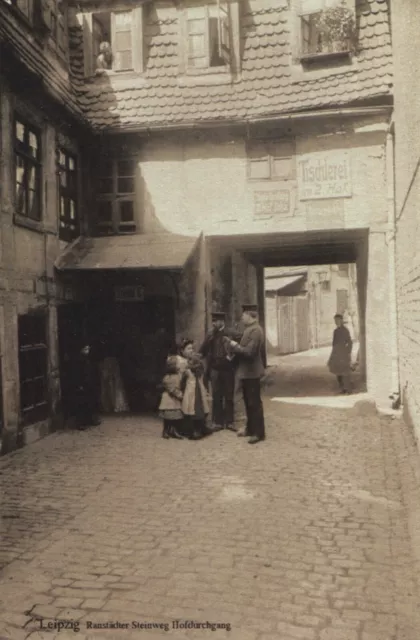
{"x": 324, "y": 174}
{"x": 268, "y": 203}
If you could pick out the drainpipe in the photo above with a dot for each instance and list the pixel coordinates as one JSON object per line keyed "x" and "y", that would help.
{"x": 391, "y": 236}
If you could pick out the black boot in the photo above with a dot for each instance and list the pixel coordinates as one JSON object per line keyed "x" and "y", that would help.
{"x": 174, "y": 433}
{"x": 166, "y": 431}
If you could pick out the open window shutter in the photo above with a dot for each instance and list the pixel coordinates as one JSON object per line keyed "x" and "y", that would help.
{"x": 87, "y": 44}
{"x": 137, "y": 39}
{"x": 198, "y": 42}
{"x": 223, "y": 20}
{"x": 122, "y": 40}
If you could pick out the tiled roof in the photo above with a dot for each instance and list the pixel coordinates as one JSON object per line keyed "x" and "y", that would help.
{"x": 266, "y": 84}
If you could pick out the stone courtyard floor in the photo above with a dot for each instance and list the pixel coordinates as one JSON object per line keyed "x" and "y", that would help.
{"x": 310, "y": 535}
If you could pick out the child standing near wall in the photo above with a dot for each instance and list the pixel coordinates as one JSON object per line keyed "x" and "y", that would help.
{"x": 170, "y": 407}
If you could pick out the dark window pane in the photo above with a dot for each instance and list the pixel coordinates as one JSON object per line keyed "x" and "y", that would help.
{"x": 125, "y": 185}
{"x": 105, "y": 185}
{"x": 125, "y": 168}
{"x": 126, "y": 211}
{"x": 105, "y": 211}
{"x": 33, "y": 206}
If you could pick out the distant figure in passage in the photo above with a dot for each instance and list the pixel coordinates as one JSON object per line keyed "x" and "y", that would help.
{"x": 339, "y": 362}
{"x": 86, "y": 395}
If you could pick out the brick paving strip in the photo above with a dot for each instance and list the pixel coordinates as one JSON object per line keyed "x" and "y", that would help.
{"x": 311, "y": 535}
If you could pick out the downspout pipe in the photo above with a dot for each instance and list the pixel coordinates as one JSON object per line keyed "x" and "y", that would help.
{"x": 391, "y": 243}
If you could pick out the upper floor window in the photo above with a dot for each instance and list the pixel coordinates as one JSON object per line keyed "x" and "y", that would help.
{"x": 343, "y": 270}
{"x": 271, "y": 160}
{"x": 68, "y": 192}
{"x": 116, "y": 197}
{"x": 208, "y": 36}
{"x": 326, "y": 27}
{"x": 24, "y": 6}
{"x": 27, "y": 150}
{"x": 59, "y": 25}
{"x": 113, "y": 41}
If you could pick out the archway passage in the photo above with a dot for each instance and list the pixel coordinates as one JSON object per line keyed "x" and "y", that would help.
{"x": 313, "y": 275}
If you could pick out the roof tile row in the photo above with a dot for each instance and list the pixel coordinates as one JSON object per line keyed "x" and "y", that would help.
{"x": 266, "y": 84}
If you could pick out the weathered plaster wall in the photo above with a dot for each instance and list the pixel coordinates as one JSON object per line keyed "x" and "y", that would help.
{"x": 199, "y": 182}
{"x": 204, "y": 187}
{"x": 26, "y": 270}
{"x": 406, "y": 40}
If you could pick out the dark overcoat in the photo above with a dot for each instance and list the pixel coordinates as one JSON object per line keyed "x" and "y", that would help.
{"x": 250, "y": 352}
{"x": 339, "y": 362}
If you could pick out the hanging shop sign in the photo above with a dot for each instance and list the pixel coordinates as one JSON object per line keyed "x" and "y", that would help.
{"x": 324, "y": 175}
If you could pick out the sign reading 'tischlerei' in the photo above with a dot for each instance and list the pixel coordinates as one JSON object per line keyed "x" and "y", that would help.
{"x": 324, "y": 174}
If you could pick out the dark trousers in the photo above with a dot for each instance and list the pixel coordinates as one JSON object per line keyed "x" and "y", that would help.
{"x": 222, "y": 387}
{"x": 344, "y": 382}
{"x": 251, "y": 389}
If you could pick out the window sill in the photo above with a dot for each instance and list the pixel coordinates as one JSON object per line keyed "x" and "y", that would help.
{"x": 33, "y": 225}
{"x": 323, "y": 65}
{"x": 117, "y": 78}
{"x": 317, "y": 58}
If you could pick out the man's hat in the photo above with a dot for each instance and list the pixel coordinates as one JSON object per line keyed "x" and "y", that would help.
{"x": 338, "y": 315}
{"x": 249, "y": 307}
{"x": 218, "y": 315}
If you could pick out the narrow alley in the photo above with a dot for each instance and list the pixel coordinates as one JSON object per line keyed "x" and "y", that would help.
{"x": 304, "y": 536}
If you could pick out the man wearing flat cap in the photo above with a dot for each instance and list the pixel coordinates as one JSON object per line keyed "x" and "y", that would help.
{"x": 221, "y": 366}
{"x": 250, "y": 370}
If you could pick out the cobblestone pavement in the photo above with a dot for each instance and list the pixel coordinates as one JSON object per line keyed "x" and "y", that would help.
{"x": 304, "y": 536}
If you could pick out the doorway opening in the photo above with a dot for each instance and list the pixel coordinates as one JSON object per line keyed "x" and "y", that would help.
{"x": 300, "y": 304}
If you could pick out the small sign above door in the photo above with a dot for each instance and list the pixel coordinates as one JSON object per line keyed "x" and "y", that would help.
{"x": 129, "y": 293}
{"x": 271, "y": 202}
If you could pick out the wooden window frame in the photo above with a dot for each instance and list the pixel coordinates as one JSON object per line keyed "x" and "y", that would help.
{"x": 137, "y": 41}
{"x": 31, "y": 348}
{"x": 59, "y": 24}
{"x": 224, "y": 37}
{"x": 270, "y": 157}
{"x": 115, "y": 199}
{"x": 68, "y": 226}
{"x": 26, "y": 15}
{"x": 305, "y": 16}
{"x": 21, "y": 151}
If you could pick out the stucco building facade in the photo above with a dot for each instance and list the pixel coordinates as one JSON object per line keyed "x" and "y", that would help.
{"x": 406, "y": 40}
{"x": 211, "y": 139}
